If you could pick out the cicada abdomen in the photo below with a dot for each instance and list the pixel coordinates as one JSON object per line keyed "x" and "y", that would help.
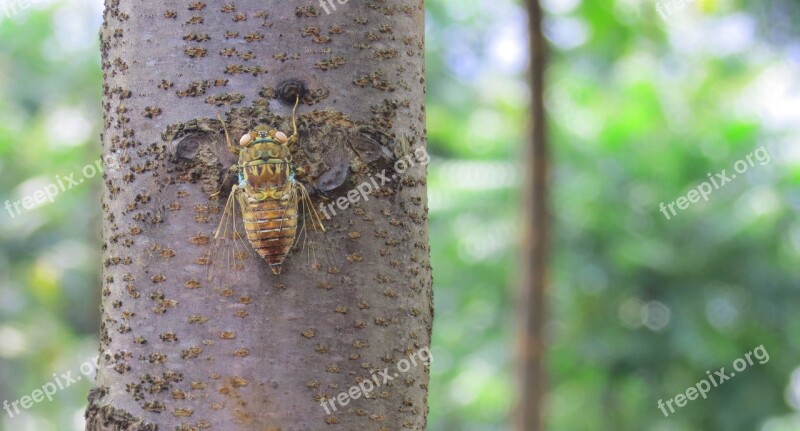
{"x": 270, "y": 205}
{"x": 271, "y": 229}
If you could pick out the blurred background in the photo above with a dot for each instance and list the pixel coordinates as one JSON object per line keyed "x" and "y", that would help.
{"x": 645, "y": 98}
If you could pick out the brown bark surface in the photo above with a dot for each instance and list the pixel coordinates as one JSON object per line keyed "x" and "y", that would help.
{"x": 532, "y": 305}
{"x": 259, "y": 351}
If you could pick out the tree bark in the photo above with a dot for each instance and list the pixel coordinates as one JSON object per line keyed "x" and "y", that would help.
{"x": 532, "y": 344}
{"x": 263, "y": 352}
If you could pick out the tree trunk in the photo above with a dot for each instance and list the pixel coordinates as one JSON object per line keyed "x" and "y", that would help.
{"x": 250, "y": 350}
{"x": 532, "y": 344}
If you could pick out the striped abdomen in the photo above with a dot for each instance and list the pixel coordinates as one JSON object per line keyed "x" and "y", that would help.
{"x": 271, "y": 227}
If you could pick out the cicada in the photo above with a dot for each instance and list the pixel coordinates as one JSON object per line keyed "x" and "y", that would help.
{"x": 267, "y": 194}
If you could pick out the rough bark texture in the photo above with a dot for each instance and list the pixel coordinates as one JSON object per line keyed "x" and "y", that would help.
{"x": 261, "y": 353}
{"x": 532, "y": 343}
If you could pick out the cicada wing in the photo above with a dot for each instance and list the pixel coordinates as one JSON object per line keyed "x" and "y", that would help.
{"x": 229, "y": 253}
{"x": 312, "y": 239}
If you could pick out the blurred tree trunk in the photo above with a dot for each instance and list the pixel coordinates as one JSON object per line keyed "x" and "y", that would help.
{"x": 262, "y": 353}
{"x": 532, "y": 343}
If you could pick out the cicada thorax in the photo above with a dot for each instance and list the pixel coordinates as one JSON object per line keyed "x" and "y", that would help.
{"x": 270, "y": 204}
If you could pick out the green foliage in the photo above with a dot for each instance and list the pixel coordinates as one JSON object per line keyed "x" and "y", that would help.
{"x": 641, "y": 108}
{"x": 50, "y": 109}
{"x": 642, "y": 305}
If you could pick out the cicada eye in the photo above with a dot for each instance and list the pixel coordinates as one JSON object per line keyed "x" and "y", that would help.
{"x": 281, "y": 137}
{"x": 246, "y": 139}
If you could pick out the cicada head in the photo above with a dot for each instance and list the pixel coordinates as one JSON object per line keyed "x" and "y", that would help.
{"x": 263, "y": 133}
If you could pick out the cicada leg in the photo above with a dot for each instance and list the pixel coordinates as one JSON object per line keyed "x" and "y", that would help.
{"x": 294, "y": 137}
{"x": 232, "y": 148}
{"x": 232, "y": 173}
